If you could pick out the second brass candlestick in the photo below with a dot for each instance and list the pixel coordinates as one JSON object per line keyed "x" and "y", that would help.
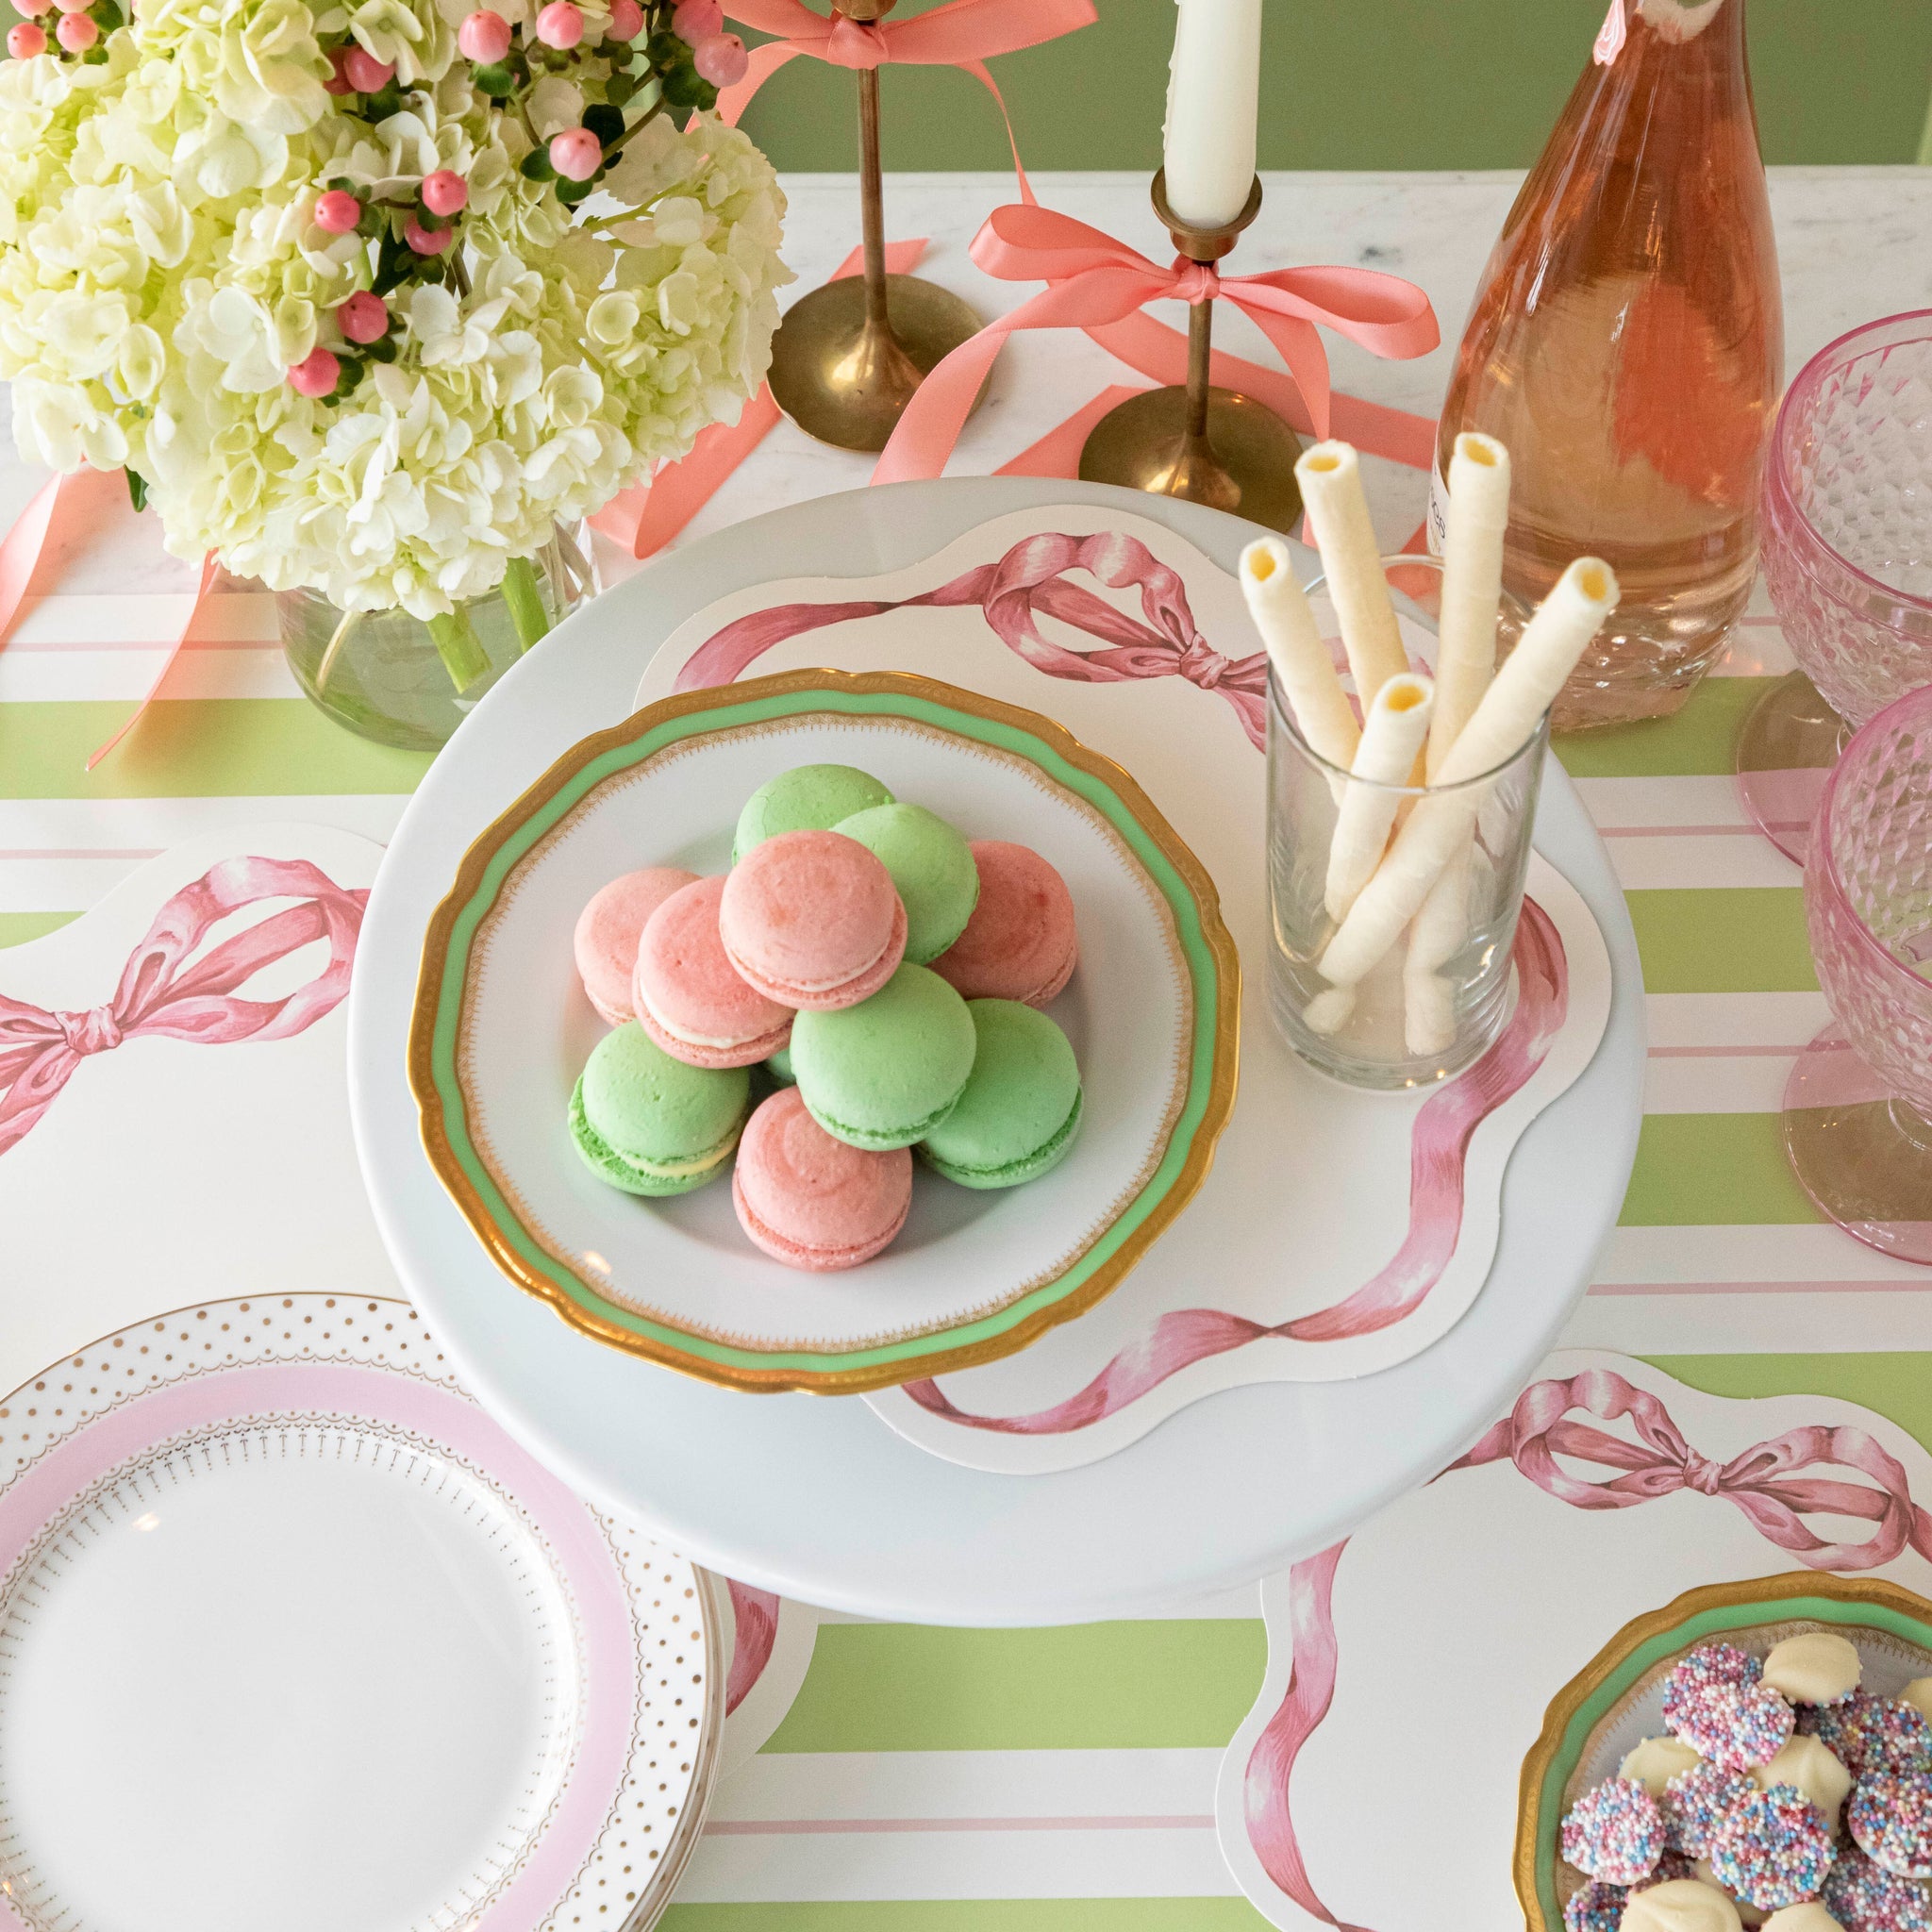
{"x": 1194, "y": 440}
{"x": 848, "y": 357}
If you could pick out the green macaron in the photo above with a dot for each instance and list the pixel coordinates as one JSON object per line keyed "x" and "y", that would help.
{"x": 779, "y": 1067}
{"x": 885, "y": 1073}
{"x": 808, "y": 798}
{"x": 1022, "y": 1106}
{"x": 649, "y": 1123}
{"x": 930, "y": 865}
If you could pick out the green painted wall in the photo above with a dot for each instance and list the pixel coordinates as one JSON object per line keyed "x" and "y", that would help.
{"x": 1364, "y": 84}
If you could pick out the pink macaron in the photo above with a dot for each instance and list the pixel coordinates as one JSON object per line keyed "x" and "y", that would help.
{"x": 688, "y": 999}
{"x": 608, "y": 929}
{"x": 810, "y": 1201}
{"x": 812, "y": 920}
{"x": 1020, "y": 943}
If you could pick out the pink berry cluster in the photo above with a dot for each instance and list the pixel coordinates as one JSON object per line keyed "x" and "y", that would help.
{"x": 76, "y": 29}
{"x": 679, "y": 45}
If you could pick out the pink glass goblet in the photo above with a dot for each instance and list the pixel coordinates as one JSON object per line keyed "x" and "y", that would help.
{"x": 1858, "y": 1117}
{"x": 1846, "y": 536}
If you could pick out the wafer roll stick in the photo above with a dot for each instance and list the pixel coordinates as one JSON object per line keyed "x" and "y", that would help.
{"x": 1392, "y": 734}
{"x": 1428, "y": 1010}
{"x": 1471, "y": 587}
{"x": 1331, "y": 483}
{"x": 1503, "y": 722}
{"x": 1300, "y": 660}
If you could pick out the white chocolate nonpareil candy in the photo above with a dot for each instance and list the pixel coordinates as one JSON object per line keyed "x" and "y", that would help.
{"x": 1656, "y": 1761}
{"x": 1814, "y": 1769}
{"x": 1808, "y": 1917}
{"x": 1681, "y": 1905}
{"x": 1815, "y": 1668}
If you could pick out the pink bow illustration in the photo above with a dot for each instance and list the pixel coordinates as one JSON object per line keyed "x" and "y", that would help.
{"x": 1030, "y": 582}
{"x": 1094, "y": 281}
{"x": 161, "y": 997}
{"x": 962, "y": 33}
{"x": 1659, "y": 1463}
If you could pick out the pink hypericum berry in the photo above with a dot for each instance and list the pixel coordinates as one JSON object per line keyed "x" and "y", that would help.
{"x": 445, "y": 193}
{"x": 694, "y": 21}
{"x": 26, "y": 38}
{"x": 31, "y": 8}
{"x": 337, "y": 210}
{"x": 316, "y": 375}
{"x": 561, "y": 24}
{"x": 70, "y": 6}
{"x": 363, "y": 318}
{"x": 627, "y": 21}
{"x": 576, "y": 153}
{"x": 365, "y": 73}
{"x": 337, "y": 82}
{"x": 484, "y": 36}
{"x": 721, "y": 60}
{"x": 427, "y": 241}
{"x": 77, "y": 32}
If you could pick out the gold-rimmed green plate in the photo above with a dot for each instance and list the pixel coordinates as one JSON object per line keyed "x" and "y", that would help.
{"x": 501, "y": 1030}
{"x": 1616, "y": 1698}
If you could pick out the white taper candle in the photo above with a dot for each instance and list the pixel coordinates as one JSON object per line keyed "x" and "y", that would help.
{"x": 1213, "y": 90}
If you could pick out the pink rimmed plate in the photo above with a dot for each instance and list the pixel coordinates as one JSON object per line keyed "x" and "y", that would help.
{"x": 286, "y": 1618}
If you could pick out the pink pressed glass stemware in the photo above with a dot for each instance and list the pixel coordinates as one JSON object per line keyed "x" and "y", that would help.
{"x": 1847, "y": 551}
{"x": 1857, "y": 1114}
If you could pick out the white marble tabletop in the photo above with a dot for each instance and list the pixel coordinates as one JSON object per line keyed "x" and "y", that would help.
{"x": 1852, "y": 243}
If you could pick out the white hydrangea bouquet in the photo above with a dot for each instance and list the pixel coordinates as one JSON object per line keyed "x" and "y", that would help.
{"x": 322, "y": 279}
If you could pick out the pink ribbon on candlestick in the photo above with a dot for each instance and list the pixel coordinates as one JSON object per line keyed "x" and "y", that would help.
{"x": 162, "y": 996}
{"x": 1760, "y": 1483}
{"x": 1096, "y": 283}
{"x": 1438, "y": 1149}
{"x": 962, "y": 33}
{"x": 1026, "y": 584}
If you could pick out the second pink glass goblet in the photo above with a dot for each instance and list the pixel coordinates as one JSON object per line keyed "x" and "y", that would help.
{"x": 1857, "y": 1116}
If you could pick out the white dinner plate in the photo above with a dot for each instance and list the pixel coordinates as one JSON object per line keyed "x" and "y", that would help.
{"x": 815, "y": 1497}
{"x": 293, "y": 1636}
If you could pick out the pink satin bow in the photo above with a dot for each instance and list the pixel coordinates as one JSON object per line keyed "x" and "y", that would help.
{"x": 962, "y": 33}
{"x": 161, "y": 997}
{"x": 1659, "y": 1463}
{"x": 1093, "y": 281}
{"x": 1028, "y": 582}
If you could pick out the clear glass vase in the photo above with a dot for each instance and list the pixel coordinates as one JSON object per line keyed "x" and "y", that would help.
{"x": 394, "y": 679}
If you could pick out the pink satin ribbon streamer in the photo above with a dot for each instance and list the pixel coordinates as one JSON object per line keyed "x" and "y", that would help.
{"x": 1096, "y": 283}
{"x": 962, "y": 33}
{"x": 755, "y": 1614}
{"x": 1027, "y": 583}
{"x": 162, "y": 996}
{"x": 645, "y": 517}
{"x": 1438, "y": 1149}
{"x": 1762, "y": 1483}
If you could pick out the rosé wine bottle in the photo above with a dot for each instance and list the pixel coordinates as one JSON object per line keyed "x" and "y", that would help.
{"x": 1627, "y": 344}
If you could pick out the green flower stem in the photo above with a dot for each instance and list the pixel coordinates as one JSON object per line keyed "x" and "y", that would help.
{"x": 525, "y": 606}
{"x": 459, "y": 646}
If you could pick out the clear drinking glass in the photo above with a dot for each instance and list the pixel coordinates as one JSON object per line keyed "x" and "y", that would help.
{"x": 1462, "y": 992}
{"x": 1847, "y": 553}
{"x": 1857, "y": 1115}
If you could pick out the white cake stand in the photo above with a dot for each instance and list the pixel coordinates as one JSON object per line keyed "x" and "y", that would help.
{"x": 815, "y": 1497}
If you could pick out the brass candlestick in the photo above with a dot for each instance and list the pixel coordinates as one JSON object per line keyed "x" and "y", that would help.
{"x": 848, "y": 357}
{"x": 1207, "y": 445}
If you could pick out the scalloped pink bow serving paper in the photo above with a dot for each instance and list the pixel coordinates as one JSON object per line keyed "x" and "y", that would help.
{"x": 1337, "y": 1233}
{"x": 1408, "y": 1669}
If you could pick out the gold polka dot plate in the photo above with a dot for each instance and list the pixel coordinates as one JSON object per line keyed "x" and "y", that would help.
{"x": 293, "y": 1635}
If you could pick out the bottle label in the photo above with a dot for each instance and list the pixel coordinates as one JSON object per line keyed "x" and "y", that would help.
{"x": 1678, "y": 21}
{"x": 1437, "y": 525}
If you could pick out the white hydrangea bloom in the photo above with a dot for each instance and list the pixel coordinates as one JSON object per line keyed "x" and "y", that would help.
{"x": 161, "y": 272}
